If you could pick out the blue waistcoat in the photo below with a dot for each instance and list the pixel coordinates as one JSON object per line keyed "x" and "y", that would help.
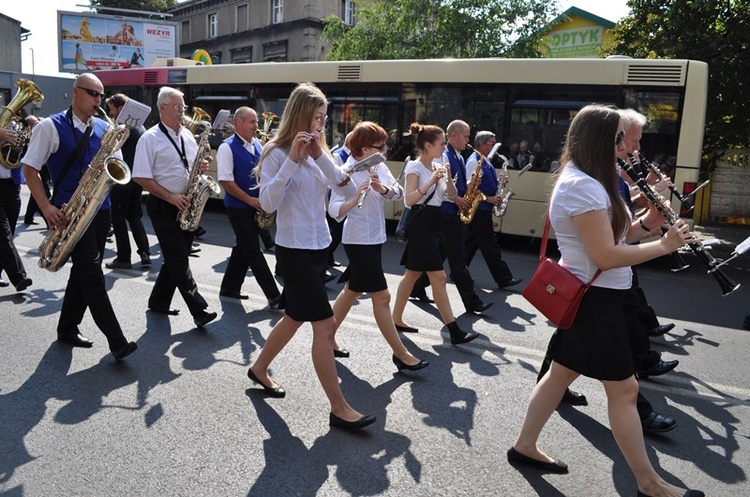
{"x": 68, "y": 141}
{"x": 458, "y": 171}
{"x": 244, "y": 163}
{"x": 343, "y": 154}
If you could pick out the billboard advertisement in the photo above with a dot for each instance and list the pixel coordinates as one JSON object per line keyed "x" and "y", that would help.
{"x": 95, "y": 41}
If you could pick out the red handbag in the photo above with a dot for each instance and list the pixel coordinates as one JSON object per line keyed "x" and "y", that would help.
{"x": 555, "y": 291}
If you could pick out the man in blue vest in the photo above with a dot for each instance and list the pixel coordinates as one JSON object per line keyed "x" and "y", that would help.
{"x": 67, "y": 142}
{"x": 236, "y": 158}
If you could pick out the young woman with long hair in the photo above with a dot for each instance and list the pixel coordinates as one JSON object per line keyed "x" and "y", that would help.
{"x": 295, "y": 170}
{"x": 593, "y": 229}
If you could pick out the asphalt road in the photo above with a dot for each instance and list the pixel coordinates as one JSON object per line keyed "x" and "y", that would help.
{"x": 180, "y": 418}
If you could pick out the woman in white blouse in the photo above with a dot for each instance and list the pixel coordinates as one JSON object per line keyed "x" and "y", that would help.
{"x": 296, "y": 169}
{"x": 594, "y": 229}
{"x": 364, "y": 236}
{"x": 427, "y": 185}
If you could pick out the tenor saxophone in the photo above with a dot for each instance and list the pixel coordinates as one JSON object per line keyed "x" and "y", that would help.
{"x": 200, "y": 186}
{"x": 103, "y": 173}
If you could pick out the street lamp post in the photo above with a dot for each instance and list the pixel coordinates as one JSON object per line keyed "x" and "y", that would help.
{"x": 33, "y": 71}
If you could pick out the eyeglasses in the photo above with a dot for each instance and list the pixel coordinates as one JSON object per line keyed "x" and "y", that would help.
{"x": 321, "y": 119}
{"x": 178, "y": 107}
{"x": 93, "y": 93}
{"x": 619, "y": 137}
{"x": 380, "y": 147}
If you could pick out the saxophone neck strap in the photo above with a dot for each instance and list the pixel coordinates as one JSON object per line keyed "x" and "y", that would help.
{"x": 181, "y": 153}
{"x": 80, "y": 145}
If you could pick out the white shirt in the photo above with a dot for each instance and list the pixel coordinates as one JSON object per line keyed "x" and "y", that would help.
{"x": 45, "y": 141}
{"x": 423, "y": 176}
{"x": 225, "y": 159}
{"x": 365, "y": 225}
{"x": 297, "y": 193}
{"x": 576, "y": 193}
{"x": 157, "y": 159}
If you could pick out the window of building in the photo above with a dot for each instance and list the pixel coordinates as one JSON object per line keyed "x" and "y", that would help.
{"x": 277, "y": 11}
{"x": 185, "y": 32}
{"x": 243, "y": 55}
{"x": 242, "y": 18}
{"x": 212, "y": 26}
{"x": 275, "y": 52}
{"x": 347, "y": 12}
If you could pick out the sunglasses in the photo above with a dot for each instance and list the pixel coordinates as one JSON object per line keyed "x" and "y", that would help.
{"x": 619, "y": 137}
{"x": 93, "y": 93}
{"x": 380, "y": 147}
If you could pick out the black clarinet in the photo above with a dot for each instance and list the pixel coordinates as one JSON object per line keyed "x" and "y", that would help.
{"x": 685, "y": 200}
{"x": 725, "y": 282}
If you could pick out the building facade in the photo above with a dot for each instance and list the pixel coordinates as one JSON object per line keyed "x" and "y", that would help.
{"x": 10, "y": 40}
{"x": 245, "y": 31}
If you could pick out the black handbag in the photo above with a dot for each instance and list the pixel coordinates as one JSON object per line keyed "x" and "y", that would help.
{"x": 407, "y": 218}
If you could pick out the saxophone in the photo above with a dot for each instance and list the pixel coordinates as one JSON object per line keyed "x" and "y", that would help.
{"x": 200, "y": 186}
{"x": 11, "y": 153}
{"x": 505, "y": 196}
{"x": 473, "y": 194}
{"x": 103, "y": 173}
{"x": 264, "y": 219}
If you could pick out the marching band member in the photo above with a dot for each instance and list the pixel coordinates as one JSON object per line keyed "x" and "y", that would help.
{"x": 10, "y": 207}
{"x": 364, "y": 236}
{"x": 295, "y": 170}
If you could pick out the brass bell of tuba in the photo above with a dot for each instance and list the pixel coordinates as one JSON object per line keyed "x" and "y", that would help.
{"x": 11, "y": 153}
{"x": 198, "y": 121}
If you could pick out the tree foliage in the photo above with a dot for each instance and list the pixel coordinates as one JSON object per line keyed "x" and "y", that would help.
{"x": 416, "y": 29}
{"x": 713, "y": 31}
{"x": 147, "y": 5}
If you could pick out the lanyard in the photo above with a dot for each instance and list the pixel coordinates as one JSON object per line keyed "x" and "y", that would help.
{"x": 183, "y": 158}
{"x": 85, "y": 140}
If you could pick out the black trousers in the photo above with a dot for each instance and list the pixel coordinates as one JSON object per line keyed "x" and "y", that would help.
{"x": 452, "y": 233}
{"x": 10, "y": 207}
{"x": 479, "y": 234}
{"x": 126, "y": 210}
{"x": 175, "y": 269}
{"x": 32, "y": 207}
{"x": 646, "y": 313}
{"x": 337, "y": 230}
{"x": 86, "y": 286}
{"x": 246, "y": 254}
{"x": 640, "y": 345}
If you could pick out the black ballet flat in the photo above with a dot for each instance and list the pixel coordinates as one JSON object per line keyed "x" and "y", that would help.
{"x": 276, "y": 392}
{"x": 342, "y": 353}
{"x": 406, "y": 329}
{"x": 689, "y": 493}
{"x": 556, "y": 466}
{"x": 365, "y": 420}
{"x": 401, "y": 365}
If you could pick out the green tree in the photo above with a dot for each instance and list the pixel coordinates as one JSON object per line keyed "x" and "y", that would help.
{"x": 147, "y": 5}
{"x": 415, "y": 29}
{"x": 713, "y": 31}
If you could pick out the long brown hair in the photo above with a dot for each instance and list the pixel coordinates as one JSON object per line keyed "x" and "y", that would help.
{"x": 297, "y": 116}
{"x": 590, "y": 146}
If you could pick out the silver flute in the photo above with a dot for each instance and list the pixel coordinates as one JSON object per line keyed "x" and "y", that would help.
{"x": 309, "y": 138}
{"x": 365, "y": 192}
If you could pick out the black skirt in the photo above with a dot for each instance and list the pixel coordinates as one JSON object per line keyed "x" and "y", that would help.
{"x": 422, "y": 252}
{"x": 304, "y": 296}
{"x": 597, "y": 344}
{"x": 365, "y": 270}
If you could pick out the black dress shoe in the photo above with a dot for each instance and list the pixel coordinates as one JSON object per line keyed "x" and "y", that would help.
{"x": 574, "y": 398}
{"x": 276, "y": 392}
{"x": 3, "y": 283}
{"x": 556, "y": 466}
{"x": 342, "y": 353}
{"x": 118, "y": 264}
{"x": 365, "y": 420}
{"x": 273, "y": 303}
{"x": 478, "y": 307}
{"x": 688, "y": 493}
{"x": 164, "y": 310}
{"x": 29, "y": 222}
{"x": 657, "y": 423}
{"x": 401, "y": 365}
{"x": 124, "y": 351}
{"x": 659, "y": 368}
{"x": 234, "y": 295}
{"x": 510, "y": 282}
{"x": 145, "y": 260}
{"x": 199, "y": 232}
{"x": 406, "y": 329}
{"x": 23, "y": 284}
{"x": 76, "y": 340}
{"x": 660, "y": 330}
{"x": 459, "y": 336}
{"x": 204, "y": 318}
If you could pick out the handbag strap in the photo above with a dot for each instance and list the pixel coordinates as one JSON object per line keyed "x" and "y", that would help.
{"x": 543, "y": 248}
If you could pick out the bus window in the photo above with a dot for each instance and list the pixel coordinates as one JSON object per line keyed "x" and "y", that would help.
{"x": 662, "y": 108}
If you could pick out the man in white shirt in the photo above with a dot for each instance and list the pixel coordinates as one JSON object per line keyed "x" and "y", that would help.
{"x": 10, "y": 207}
{"x": 163, "y": 158}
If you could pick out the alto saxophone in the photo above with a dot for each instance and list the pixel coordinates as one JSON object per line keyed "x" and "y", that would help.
{"x": 499, "y": 209}
{"x": 103, "y": 173}
{"x": 200, "y": 186}
{"x": 473, "y": 195}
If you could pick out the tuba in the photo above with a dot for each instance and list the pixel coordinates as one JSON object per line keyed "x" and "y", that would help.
{"x": 200, "y": 117}
{"x": 473, "y": 195}
{"x": 103, "y": 173}
{"x": 11, "y": 153}
{"x": 200, "y": 186}
{"x": 264, "y": 219}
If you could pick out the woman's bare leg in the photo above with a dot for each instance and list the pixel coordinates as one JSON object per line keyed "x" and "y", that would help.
{"x": 275, "y": 343}
{"x": 402, "y": 295}
{"x": 341, "y": 308}
{"x": 382, "y": 311}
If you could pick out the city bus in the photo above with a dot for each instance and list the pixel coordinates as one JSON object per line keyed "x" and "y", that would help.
{"x": 527, "y": 103}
